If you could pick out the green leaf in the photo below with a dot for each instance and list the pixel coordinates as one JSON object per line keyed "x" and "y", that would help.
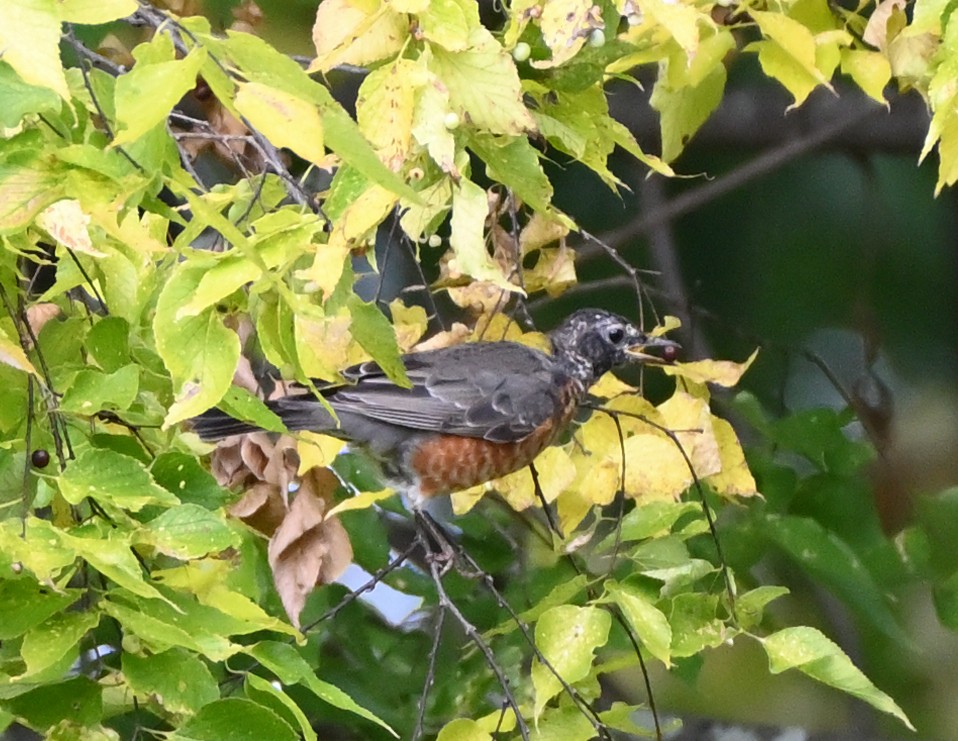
{"x": 114, "y": 479}
{"x": 263, "y": 692}
{"x": 182, "y": 475}
{"x": 651, "y": 519}
{"x": 463, "y": 729}
{"x": 79, "y": 699}
{"x": 830, "y": 560}
{"x": 683, "y": 110}
{"x": 109, "y": 343}
{"x": 36, "y": 546}
{"x": 291, "y": 668}
{"x": 189, "y": 531}
{"x": 180, "y": 681}
{"x": 47, "y": 643}
{"x": 515, "y": 163}
{"x": 161, "y": 627}
{"x": 114, "y": 559}
{"x": 695, "y": 626}
{"x": 749, "y": 606}
{"x": 372, "y": 330}
{"x": 648, "y": 621}
{"x": 17, "y": 98}
{"x": 199, "y": 351}
{"x": 30, "y": 39}
{"x": 146, "y": 94}
{"x": 93, "y": 391}
{"x": 234, "y": 719}
{"x": 24, "y": 604}
{"x": 240, "y": 403}
{"x": 567, "y": 636}
{"x": 811, "y": 652}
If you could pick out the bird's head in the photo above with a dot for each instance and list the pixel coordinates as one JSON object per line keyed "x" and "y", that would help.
{"x": 594, "y": 341}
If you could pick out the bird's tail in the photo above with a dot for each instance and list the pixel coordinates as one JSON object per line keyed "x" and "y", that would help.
{"x": 297, "y": 413}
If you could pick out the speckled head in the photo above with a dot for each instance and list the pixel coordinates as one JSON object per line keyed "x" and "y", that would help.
{"x": 593, "y": 341}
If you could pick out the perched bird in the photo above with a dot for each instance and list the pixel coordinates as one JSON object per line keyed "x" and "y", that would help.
{"x": 474, "y": 412}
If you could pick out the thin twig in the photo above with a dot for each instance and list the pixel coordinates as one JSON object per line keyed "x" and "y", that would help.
{"x": 436, "y": 570}
{"x": 430, "y": 672}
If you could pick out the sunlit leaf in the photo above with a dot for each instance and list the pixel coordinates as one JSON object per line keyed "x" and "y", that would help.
{"x": 809, "y": 651}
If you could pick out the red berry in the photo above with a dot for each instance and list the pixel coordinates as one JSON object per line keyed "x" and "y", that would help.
{"x": 669, "y": 353}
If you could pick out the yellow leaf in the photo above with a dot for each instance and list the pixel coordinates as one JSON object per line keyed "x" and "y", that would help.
{"x": 789, "y": 54}
{"x": 555, "y": 471}
{"x": 610, "y": 386}
{"x": 870, "y": 70}
{"x": 30, "y": 43}
{"x": 316, "y": 451}
{"x": 449, "y": 23}
{"x": 322, "y": 344}
{"x": 285, "y": 119}
{"x": 463, "y": 501}
{"x": 364, "y": 500}
{"x": 690, "y": 421}
{"x": 356, "y": 32}
{"x": 12, "y": 354}
{"x": 410, "y": 323}
{"x": 327, "y": 268}
{"x": 430, "y": 130}
{"x": 463, "y": 729}
{"x": 655, "y": 468}
{"x": 679, "y": 19}
{"x": 734, "y": 478}
{"x": 723, "y": 372}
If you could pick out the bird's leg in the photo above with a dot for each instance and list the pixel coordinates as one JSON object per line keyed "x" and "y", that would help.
{"x": 437, "y": 543}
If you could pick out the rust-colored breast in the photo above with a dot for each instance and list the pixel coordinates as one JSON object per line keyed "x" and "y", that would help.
{"x": 448, "y": 463}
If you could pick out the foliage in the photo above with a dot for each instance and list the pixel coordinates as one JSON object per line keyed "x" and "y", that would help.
{"x": 132, "y": 600}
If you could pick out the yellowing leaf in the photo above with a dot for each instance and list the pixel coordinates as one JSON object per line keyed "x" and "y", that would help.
{"x": 723, "y": 372}
{"x": 146, "y": 94}
{"x": 788, "y": 54}
{"x": 565, "y": 26}
{"x": 12, "y": 354}
{"x": 329, "y": 261}
{"x": 463, "y": 729}
{"x": 285, "y": 119}
{"x": 95, "y": 12}
{"x": 449, "y": 23}
{"x": 734, "y": 478}
{"x": 870, "y": 70}
{"x": 385, "y": 109}
{"x": 30, "y": 43}
{"x": 567, "y": 636}
{"x": 66, "y": 223}
{"x": 356, "y": 32}
{"x": 430, "y": 130}
{"x": 467, "y": 238}
{"x": 484, "y": 89}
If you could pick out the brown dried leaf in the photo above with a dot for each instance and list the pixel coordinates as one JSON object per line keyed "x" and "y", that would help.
{"x": 307, "y": 550}
{"x": 262, "y": 508}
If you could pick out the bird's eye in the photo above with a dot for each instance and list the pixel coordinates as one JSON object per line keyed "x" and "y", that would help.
{"x": 616, "y": 335}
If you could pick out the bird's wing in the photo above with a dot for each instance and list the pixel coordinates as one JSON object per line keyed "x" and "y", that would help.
{"x": 498, "y": 391}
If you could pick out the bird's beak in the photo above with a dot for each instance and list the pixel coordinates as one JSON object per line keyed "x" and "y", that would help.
{"x": 654, "y": 350}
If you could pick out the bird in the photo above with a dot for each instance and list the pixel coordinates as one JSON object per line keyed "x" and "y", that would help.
{"x": 474, "y": 412}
